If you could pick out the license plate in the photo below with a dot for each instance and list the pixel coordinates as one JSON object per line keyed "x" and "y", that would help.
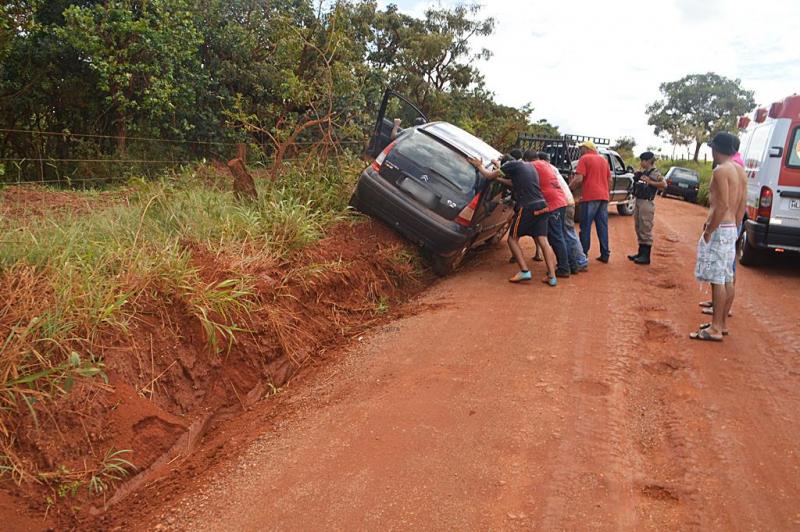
{"x": 683, "y": 185}
{"x": 794, "y": 204}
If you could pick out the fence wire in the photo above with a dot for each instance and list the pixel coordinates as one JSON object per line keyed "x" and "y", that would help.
{"x": 62, "y": 157}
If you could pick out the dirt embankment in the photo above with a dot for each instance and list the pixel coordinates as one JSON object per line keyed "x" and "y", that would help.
{"x": 167, "y": 390}
{"x": 507, "y": 407}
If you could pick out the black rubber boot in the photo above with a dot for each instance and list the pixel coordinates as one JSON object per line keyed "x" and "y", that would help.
{"x": 644, "y": 258}
{"x": 639, "y": 254}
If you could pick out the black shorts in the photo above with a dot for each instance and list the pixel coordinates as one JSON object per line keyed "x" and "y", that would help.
{"x": 527, "y": 222}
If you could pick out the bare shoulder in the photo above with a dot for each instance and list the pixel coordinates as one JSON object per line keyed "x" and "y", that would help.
{"x": 727, "y": 172}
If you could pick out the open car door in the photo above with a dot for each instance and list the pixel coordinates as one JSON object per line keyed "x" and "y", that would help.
{"x": 393, "y": 106}
{"x": 623, "y": 178}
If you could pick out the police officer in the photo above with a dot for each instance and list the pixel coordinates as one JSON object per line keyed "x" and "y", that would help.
{"x": 647, "y": 182}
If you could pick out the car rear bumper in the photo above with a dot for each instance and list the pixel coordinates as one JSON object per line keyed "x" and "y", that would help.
{"x": 772, "y": 236}
{"x": 377, "y": 197}
{"x": 675, "y": 190}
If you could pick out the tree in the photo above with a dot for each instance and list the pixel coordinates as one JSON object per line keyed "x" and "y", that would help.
{"x": 624, "y": 146}
{"x": 696, "y": 106}
{"x": 144, "y": 55}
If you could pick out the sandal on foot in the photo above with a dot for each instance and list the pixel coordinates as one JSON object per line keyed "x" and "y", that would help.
{"x": 706, "y": 304}
{"x": 710, "y": 311}
{"x": 703, "y": 334}
{"x": 708, "y": 326}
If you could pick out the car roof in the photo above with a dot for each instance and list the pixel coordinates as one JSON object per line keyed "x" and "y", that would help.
{"x": 461, "y": 140}
{"x": 684, "y": 169}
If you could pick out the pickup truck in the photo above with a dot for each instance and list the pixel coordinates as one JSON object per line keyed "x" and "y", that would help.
{"x": 564, "y": 154}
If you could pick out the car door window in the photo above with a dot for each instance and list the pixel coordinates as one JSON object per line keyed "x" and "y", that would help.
{"x": 393, "y": 106}
{"x": 617, "y": 165}
{"x": 793, "y": 160}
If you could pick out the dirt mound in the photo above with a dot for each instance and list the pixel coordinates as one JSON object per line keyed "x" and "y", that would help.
{"x": 24, "y": 202}
{"x": 167, "y": 387}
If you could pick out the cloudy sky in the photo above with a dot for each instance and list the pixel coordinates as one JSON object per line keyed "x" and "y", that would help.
{"x": 592, "y": 67}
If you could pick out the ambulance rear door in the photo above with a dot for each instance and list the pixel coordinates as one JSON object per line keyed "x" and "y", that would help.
{"x": 785, "y": 152}
{"x": 757, "y": 164}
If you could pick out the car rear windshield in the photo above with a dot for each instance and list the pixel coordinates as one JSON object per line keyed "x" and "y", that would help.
{"x": 680, "y": 173}
{"x": 438, "y": 160}
{"x": 462, "y": 140}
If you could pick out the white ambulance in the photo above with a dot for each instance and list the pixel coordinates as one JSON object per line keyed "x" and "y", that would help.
{"x": 770, "y": 146}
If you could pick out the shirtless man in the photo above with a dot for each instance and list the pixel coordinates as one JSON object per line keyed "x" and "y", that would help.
{"x": 716, "y": 250}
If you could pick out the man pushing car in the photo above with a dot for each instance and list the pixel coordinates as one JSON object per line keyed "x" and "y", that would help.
{"x": 531, "y": 217}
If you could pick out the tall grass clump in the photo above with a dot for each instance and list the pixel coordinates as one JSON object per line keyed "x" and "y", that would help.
{"x": 68, "y": 278}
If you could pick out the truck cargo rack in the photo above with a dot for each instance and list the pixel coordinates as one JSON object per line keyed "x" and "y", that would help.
{"x": 563, "y": 150}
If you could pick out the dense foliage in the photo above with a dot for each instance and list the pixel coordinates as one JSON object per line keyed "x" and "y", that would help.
{"x": 274, "y": 74}
{"x": 696, "y": 106}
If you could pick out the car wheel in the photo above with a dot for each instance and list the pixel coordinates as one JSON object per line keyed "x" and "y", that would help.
{"x": 353, "y": 203}
{"x": 626, "y": 209}
{"x": 750, "y": 256}
{"x": 446, "y": 264}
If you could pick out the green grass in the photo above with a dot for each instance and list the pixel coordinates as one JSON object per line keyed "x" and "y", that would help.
{"x": 67, "y": 278}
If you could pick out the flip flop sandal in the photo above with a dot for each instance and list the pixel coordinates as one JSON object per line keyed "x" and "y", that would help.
{"x": 706, "y": 304}
{"x": 704, "y": 335}
{"x": 710, "y": 311}
{"x": 708, "y": 326}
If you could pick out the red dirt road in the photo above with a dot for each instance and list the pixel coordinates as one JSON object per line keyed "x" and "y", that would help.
{"x": 525, "y": 407}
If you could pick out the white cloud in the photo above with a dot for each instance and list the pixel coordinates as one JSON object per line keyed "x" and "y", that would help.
{"x": 592, "y": 67}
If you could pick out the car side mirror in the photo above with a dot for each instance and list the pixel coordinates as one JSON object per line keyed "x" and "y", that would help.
{"x": 629, "y": 169}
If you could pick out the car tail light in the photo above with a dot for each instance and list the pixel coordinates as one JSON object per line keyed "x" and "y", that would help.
{"x": 376, "y": 164}
{"x": 465, "y": 216}
{"x": 765, "y": 202}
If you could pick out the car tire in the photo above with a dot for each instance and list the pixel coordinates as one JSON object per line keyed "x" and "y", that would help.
{"x": 749, "y": 256}
{"x": 626, "y": 209}
{"x": 353, "y": 203}
{"x": 443, "y": 265}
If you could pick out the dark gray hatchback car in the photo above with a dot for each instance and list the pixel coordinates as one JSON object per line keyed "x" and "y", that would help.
{"x": 421, "y": 184}
{"x": 683, "y": 183}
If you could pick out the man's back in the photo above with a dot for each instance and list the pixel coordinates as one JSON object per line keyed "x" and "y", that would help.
{"x": 596, "y": 173}
{"x": 548, "y": 182}
{"x": 525, "y": 180}
{"x": 728, "y": 193}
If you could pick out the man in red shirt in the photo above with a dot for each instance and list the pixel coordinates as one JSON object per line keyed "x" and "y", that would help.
{"x": 594, "y": 174}
{"x": 556, "y": 207}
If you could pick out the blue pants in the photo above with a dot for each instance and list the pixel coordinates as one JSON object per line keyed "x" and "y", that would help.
{"x": 595, "y": 212}
{"x": 558, "y": 241}
{"x": 575, "y": 249}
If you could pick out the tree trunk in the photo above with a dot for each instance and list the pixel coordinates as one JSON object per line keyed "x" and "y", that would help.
{"x": 122, "y": 134}
{"x": 697, "y": 149}
{"x": 243, "y": 185}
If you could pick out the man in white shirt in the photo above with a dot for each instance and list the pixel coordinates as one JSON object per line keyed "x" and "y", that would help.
{"x": 574, "y": 247}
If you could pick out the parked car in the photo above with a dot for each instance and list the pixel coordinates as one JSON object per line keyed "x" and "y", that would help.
{"x": 682, "y": 182}
{"x": 564, "y": 153}
{"x": 770, "y": 146}
{"x": 421, "y": 184}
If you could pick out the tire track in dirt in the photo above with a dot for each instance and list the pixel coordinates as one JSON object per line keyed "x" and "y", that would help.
{"x": 583, "y": 407}
{"x": 734, "y": 406}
